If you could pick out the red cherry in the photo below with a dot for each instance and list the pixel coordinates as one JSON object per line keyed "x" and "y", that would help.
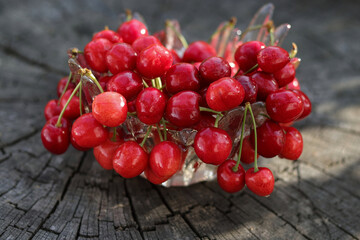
{"x": 261, "y": 182}
{"x": 95, "y": 54}
{"x": 247, "y": 152}
{"x": 132, "y": 30}
{"x": 307, "y": 104}
{"x": 153, "y": 178}
{"x": 109, "y": 109}
{"x": 206, "y": 120}
{"x": 212, "y": 145}
{"x": 284, "y": 106}
{"x": 150, "y": 105}
{"x": 61, "y": 85}
{"x": 182, "y": 76}
{"x": 110, "y": 35}
{"x": 246, "y": 54}
{"x": 198, "y": 51}
{"x": 271, "y": 59}
{"x": 88, "y": 132}
{"x": 202, "y": 101}
{"x": 154, "y": 61}
{"x": 183, "y": 110}
{"x": 56, "y": 139}
{"x": 213, "y": 69}
{"x": 270, "y": 139}
{"x": 51, "y": 109}
{"x": 293, "y": 145}
{"x": 127, "y": 83}
{"x": 250, "y": 88}
{"x": 266, "y": 84}
{"x": 72, "y": 111}
{"x": 176, "y": 58}
{"x": 165, "y": 159}
{"x": 143, "y": 42}
{"x": 294, "y": 85}
{"x": 285, "y": 75}
{"x": 225, "y": 94}
{"x": 229, "y": 180}
{"x": 105, "y": 152}
{"x": 197, "y": 65}
{"x": 76, "y": 146}
{"x": 121, "y": 57}
{"x": 130, "y": 159}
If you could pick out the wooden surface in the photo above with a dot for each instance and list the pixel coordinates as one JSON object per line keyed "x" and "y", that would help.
{"x": 65, "y": 197}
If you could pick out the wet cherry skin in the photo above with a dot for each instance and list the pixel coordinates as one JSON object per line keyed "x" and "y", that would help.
{"x": 293, "y": 145}
{"x": 51, "y": 109}
{"x": 246, "y": 54}
{"x": 121, "y": 57}
{"x": 198, "y": 51}
{"x": 76, "y": 146}
{"x": 307, "y": 104}
{"x": 105, "y": 152}
{"x": 150, "y": 105}
{"x": 214, "y": 68}
{"x": 229, "y": 180}
{"x": 285, "y": 75}
{"x": 266, "y": 84}
{"x": 132, "y": 30}
{"x": 261, "y": 182}
{"x": 250, "y": 88}
{"x": 272, "y": 58}
{"x": 127, "y": 83}
{"x": 108, "y": 34}
{"x": 95, "y": 54}
{"x": 182, "y": 76}
{"x": 143, "y": 42}
{"x": 56, "y": 139}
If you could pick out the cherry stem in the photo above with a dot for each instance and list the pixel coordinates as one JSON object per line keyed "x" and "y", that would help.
{"x": 131, "y": 114}
{"x": 249, "y": 29}
{"x": 236, "y": 167}
{"x": 294, "y": 50}
{"x": 80, "y": 99}
{"x": 158, "y": 83}
{"x": 177, "y": 33}
{"x": 65, "y": 88}
{"x": 217, "y": 120}
{"x": 146, "y": 136}
{"x": 255, "y": 137}
{"x": 251, "y": 69}
{"x": 129, "y": 15}
{"x": 272, "y": 37}
{"x": 153, "y": 83}
{"x": 113, "y": 138}
{"x": 159, "y": 132}
{"x": 205, "y": 109}
{"x": 227, "y": 31}
{"x": 58, "y": 123}
{"x": 165, "y": 130}
{"x": 145, "y": 84}
{"x": 89, "y": 74}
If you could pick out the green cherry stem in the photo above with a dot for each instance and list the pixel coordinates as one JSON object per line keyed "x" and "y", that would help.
{"x": 159, "y": 132}
{"x": 146, "y": 136}
{"x": 65, "y": 88}
{"x": 131, "y": 114}
{"x": 113, "y": 138}
{"x": 249, "y": 29}
{"x": 205, "y": 109}
{"x": 129, "y": 15}
{"x": 80, "y": 99}
{"x": 58, "y": 123}
{"x": 158, "y": 83}
{"x": 181, "y": 37}
{"x": 294, "y": 50}
{"x": 153, "y": 83}
{"x": 218, "y": 117}
{"x": 145, "y": 84}
{"x": 164, "y": 128}
{"x": 272, "y": 37}
{"x": 255, "y": 136}
{"x": 89, "y": 74}
{"x": 236, "y": 167}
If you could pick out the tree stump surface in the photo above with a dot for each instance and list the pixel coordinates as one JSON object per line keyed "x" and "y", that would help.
{"x": 43, "y": 196}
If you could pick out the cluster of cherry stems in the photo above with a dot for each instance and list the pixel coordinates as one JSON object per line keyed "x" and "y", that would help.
{"x": 138, "y": 76}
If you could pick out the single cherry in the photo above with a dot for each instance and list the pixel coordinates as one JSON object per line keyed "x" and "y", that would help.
{"x": 261, "y": 182}
{"x": 272, "y": 58}
{"x": 293, "y": 145}
{"x": 198, "y": 51}
{"x": 121, "y": 57}
{"x": 182, "y": 76}
{"x": 108, "y": 34}
{"x": 266, "y": 84}
{"x": 132, "y": 30}
{"x": 143, "y": 42}
{"x": 250, "y": 87}
{"x": 150, "y": 105}
{"x": 76, "y": 146}
{"x": 307, "y": 104}
{"x": 213, "y": 69}
{"x": 229, "y": 180}
{"x": 56, "y": 139}
{"x": 95, "y": 54}
{"x": 246, "y": 54}
{"x": 127, "y": 83}
{"x": 52, "y": 109}
{"x": 153, "y": 178}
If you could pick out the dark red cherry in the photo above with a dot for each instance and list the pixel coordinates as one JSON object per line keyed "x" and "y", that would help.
{"x": 284, "y": 106}
{"x": 132, "y": 30}
{"x": 266, "y": 84}
{"x": 246, "y": 54}
{"x": 293, "y": 145}
{"x": 153, "y": 178}
{"x": 307, "y": 104}
{"x": 198, "y": 51}
{"x": 213, "y": 69}
{"x": 61, "y": 85}
{"x": 271, "y": 59}
{"x": 51, "y": 109}
{"x": 285, "y": 75}
{"x": 250, "y": 88}
{"x": 143, "y": 42}
{"x": 182, "y": 76}
{"x": 103, "y": 80}
{"x": 127, "y": 83}
{"x": 105, "y": 152}
{"x": 121, "y": 57}
{"x": 225, "y": 94}
{"x": 261, "y": 182}
{"x": 183, "y": 110}
{"x": 154, "y": 61}
{"x": 202, "y": 102}
{"x": 229, "y": 180}
{"x": 206, "y": 120}
{"x": 165, "y": 159}
{"x": 95, "y": 54}
{"x": 247, "y": 152}
{"x": 110, "y": 35}
{"x": 212, "y": 145}
{"x": 56, "y": 139}
{"x": 130, "y": 159}
{"x": 270, "y": 139}
{"x": 72, "y": 111}
{"x": 76, "y": 146}
{"x": 88, "y": 132}
{"x": 150, "y": 105}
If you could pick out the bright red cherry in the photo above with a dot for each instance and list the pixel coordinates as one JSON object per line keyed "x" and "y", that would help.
{"x": 293, "y": 145}
{"x": 165, "y": 159}
{"x": 154, "y": 61}
{"x": 95, "y": 54}
{"x": 51, "y": 109}
{"x": 183, "y": 110}
{"x": 88, "y": 132}
{"x": 270, "y": 139}
{"x": 76, "y": 146}
{"x": 130, "y": 159}
{"x": 109, "y": 109}
{"x": 284, "y": 106}
{"x": 198, "y": 51}
{"x": 132, "y": 30}
{"x": 213, "y": 69}
{"x": 182, "y": 76}
{"x": 229, "y": 180}
{"x": 121, "y": 57}
{"x": 307, "y": 104}
{"x": 246, "y": 54}
{"x": 271, "y": 59}
{"x": 72, "y": 111}
{"x": 143, "y": 42}
{"x": 127, "y": 83}
{"x": 61, "y": 85}
{"x": 150, "y": 105}
{"x": 212, "y": 145}
{"x": 110, "y": 35}
{"x": 56, "y": 139}
{"x": 261, "y": 182}
{"x": 285, "y": 75}
{"x": 266, "y": 84}
{"x": 153, "y": 178}
{"x": 294, "y": 85}
{"x": 250, "y": 88}
{"x": 225, "y": 94}
{"x": 247, "y": 152}
{"x": 105, "y": 152}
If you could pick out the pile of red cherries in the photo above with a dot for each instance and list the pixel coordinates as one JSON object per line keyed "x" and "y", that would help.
{"x": 137, "y": 76}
